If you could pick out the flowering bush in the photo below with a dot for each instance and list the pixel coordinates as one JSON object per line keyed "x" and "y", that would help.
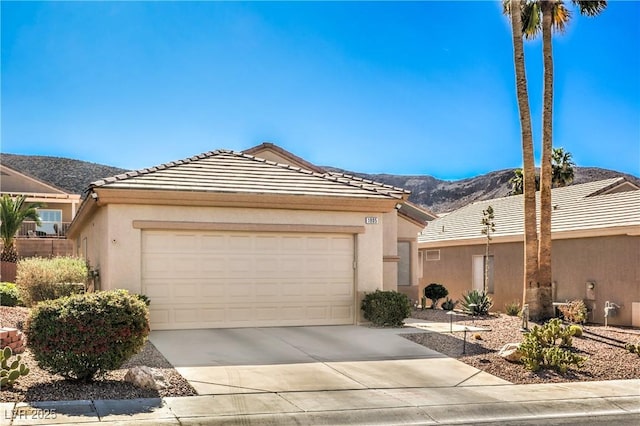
{"x": 84, "y": 335}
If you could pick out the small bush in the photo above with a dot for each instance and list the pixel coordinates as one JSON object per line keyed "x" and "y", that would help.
{"x": 574, "y": 311}
{"x": 575, "y": 330}
{"x": 448, "y": 304}
{"x": 44, "y": 279}
{"x": 435, "y": 292}
{"x": 386, "y": 308}
{"x": 9, "y": 295}
{"x": 549, "y": 347}
{"x": 634, "y": 348}
{"x": 512, "y": 308}
{"x": 84, "y": 335}
{"x": 481, "y": 301}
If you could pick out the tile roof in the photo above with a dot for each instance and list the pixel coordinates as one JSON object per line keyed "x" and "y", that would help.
{"x": 581, "y": 207}
{"x": 236, "y": 172}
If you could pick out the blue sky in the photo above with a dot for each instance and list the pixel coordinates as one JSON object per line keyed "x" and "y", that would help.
{"x": 401, "y": 87}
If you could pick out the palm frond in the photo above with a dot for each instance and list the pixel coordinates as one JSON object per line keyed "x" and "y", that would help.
{"x": 590, "y": 7}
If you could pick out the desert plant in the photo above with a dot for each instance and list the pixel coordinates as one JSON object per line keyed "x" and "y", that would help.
{"x": 512, "y": 308}
{"x": 84, "y": 335}
{"x": 448, "y": 304}
{"x": 14, "y": 211}
{"x": 575, "y": 330}
{"x": 481, "y": 301}
{"x": 45, "y": 279}
{"x": 10, "y": 371}
{"x": 9, "y": 295}
{"x": 386, "y": 308}
{"x": 634, "y": 348}
{"x": 435, "y": 292}
{"x": 574, "y": 311}
{"x": 549, "y": 347}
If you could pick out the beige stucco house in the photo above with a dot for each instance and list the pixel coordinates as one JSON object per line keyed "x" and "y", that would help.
{"x": 254, "y": 238}
{"x": 596, "y": 249}
{"x": 59, "y": 209}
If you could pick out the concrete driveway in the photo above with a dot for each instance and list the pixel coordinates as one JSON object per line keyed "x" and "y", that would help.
{"x": 323, "y": 358}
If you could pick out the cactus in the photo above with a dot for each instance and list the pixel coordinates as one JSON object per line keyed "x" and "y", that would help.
{"x": 10, "y": 371}
{"x": 547, "y": 347}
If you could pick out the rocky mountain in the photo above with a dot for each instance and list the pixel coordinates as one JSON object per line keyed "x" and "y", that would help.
{"x": 435, "y": 194}
{"x": 441, "y": 196}
{"x": 73, "y": 176}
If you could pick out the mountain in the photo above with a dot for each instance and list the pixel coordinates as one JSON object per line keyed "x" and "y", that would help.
{"x": 441, "y": 196}
{"x": 73, "y": 176}
{"x": 438, "y": 195}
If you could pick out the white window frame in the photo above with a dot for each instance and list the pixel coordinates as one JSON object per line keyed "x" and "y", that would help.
{"x": 47, "y": 226}
{"x": 429, "y": 255}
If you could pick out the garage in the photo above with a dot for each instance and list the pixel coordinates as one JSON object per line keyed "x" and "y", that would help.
{"x": 213, "y": 279}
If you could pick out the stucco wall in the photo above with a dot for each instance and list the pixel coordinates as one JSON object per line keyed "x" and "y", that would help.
{"x": 408, "y": 231}
{"x": 114, "y": 245}
{"x": 610, "y": 262}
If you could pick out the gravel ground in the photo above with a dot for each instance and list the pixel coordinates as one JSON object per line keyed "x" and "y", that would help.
{"x": 604, "y": 361}
{"x": 40, "y": 385}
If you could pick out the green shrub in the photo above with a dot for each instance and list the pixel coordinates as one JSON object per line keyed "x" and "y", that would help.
{"x": 512, "y": 308}
{"x": 481, "y": 301}
{"x": 574, "y": 311}
{"x": 435, "y": 292}
{"x": 9, "y": 295}
{"x": 84, "y": 335}
{"x": 44, "y": 279}
{"x": 575, "y": 330}
{"x": 549, "y": 347}
{"x": 386, "y": 308}
{"x": 448, "y": 304}
{"x": 11, "y": 370}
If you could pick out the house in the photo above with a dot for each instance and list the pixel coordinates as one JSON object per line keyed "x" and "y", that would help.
{"x": 59, "y": 209}
{"x": 253, "y": 238}
{"x": 595, "y": 243}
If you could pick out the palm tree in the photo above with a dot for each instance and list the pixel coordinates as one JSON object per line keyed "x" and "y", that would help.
{"x": 555, "y": 16}
{"x": 562, "y": 166}
{"x": 12, "y": 213}
{"x": 513, "y": 7}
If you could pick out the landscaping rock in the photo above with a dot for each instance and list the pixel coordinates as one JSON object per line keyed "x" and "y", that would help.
{"x": 146, "y": 378}
{"x": 13, "y": 338}
{"x": 511, "y": 352}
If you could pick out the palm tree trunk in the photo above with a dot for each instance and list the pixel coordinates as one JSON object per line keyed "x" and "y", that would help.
{"x": 544, "y": 296}
{"x": 530, "y": 229}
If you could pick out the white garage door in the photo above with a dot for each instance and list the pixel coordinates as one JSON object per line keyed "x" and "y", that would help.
{"x": 241, "y": 279}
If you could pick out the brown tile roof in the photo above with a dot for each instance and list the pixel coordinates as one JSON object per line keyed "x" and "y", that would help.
{"x": 575, "y": 208}
{"x": 237, "y": 172}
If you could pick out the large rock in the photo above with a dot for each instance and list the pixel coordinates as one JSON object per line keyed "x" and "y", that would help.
{"x": 146, "y": 378}
{"x": 511, "y": 352}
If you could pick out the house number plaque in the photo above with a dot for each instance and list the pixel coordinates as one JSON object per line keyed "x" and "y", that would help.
{"x": 371, "y": 220}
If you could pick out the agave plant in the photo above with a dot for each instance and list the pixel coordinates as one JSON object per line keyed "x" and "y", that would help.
{"x": 476, "y": 302}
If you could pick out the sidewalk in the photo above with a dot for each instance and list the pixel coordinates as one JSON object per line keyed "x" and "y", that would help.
{"x": 443, "y": 405}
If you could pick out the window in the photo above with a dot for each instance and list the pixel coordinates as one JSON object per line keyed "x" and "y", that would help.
{"x": 433, "y": 255}
{"x": 51, "y": 221}
{"x": 404, "y": 264}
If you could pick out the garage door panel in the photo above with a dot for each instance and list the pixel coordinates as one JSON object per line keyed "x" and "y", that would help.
{"x": 240, "y": 279}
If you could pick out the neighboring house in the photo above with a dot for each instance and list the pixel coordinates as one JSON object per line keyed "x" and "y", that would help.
{"x": 59, "y": 209}
{"x": 596, "y": 249}
{"x": 254, "y": 238}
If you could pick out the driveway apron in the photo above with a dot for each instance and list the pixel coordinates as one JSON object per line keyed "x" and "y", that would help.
{"x": 321, "y": 358}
